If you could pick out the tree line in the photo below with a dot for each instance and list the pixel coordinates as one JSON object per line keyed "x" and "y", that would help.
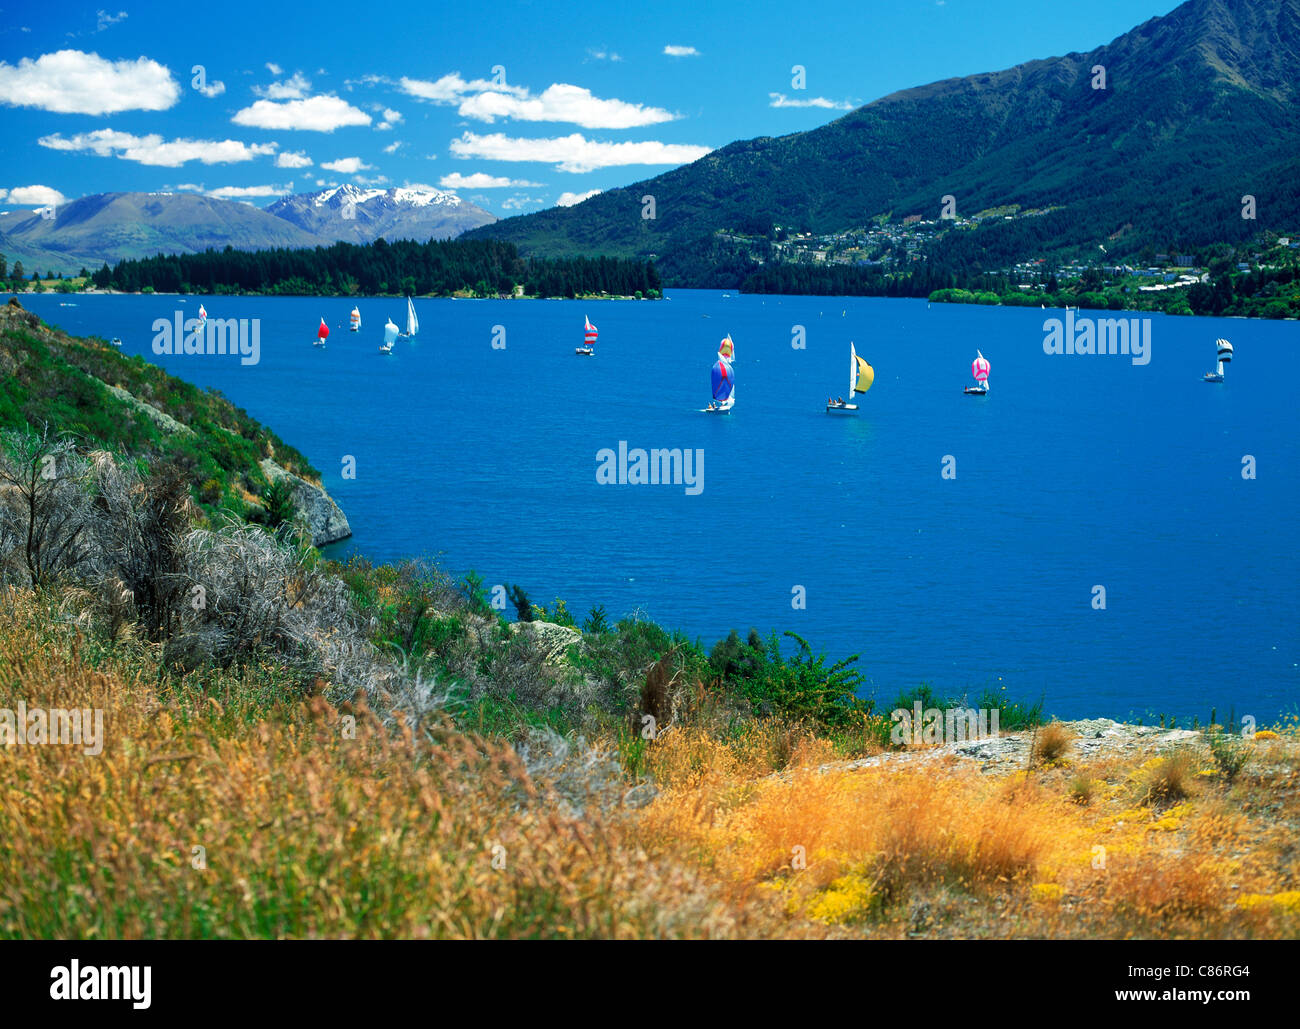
{"x": 404, "y": 267}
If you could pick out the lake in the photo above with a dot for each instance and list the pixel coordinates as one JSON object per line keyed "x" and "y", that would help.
{"x": 1076, "y": 471}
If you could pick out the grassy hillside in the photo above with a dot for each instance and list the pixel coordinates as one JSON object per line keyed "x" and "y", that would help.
{"x": 229, "y": 805}
{"x": 52, "y": 381}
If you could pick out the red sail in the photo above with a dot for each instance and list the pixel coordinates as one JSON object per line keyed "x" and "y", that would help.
{"x": 324, "y": 331}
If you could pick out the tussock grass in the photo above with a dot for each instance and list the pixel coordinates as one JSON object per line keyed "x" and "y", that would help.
{"x": 723, "y": 828}
{"x": 1051, "y": 744}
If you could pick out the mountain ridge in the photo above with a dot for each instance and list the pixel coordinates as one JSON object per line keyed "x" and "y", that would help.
{"x": 1197, "y": 112}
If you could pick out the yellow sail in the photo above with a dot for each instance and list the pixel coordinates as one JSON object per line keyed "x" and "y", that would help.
{"x": 865, "y": 376}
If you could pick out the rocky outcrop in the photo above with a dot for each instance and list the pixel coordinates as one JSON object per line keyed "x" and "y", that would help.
{"x": 1090, "y": 739}
{"x": 325, "y": 519}
{"x": 550, "y": 638}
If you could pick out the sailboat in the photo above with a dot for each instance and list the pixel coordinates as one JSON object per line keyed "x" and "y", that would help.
{"x": 979, "y": 368}
{"x": 322, "y": 334}
{"x": 588, "y": 348}
{"x": 203, "y": 313}
{"x": 724, "y": 388}
{"x": 727, "y": 349}
{"x": 412, "y": 322}
{"x": 390, "y": 337}
{"x": 861, "y": 376}
{"x": 355, "y": 320}
{"x": 1225, "y": 357}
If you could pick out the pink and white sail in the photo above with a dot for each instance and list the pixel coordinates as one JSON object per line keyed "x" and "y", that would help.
{"x": 980, "y": 367}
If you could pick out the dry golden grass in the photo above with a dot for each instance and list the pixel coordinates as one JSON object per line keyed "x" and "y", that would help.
{"x": 303, "y": 831}
{"x": 308, "y": 833}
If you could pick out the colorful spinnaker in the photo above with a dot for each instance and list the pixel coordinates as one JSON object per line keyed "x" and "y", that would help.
{"x": 727, "y": 349}
{"x": 979, "y": 368}
{"x": 203, "y": 313}
{"x": 724, "y": 382}
{"x": 323, "y": 333}
{"x": 861, "y": 374}
{"x": 355, "y": 320}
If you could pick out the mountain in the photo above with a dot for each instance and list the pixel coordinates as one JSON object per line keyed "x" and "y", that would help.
{"x": 364, "y": 215}
{"x": 108, "y": 227}
{"x": 1198, "y": 110}
{"x": 111, "y": 226}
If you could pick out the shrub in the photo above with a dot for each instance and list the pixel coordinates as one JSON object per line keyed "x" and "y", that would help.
{"x": 1230, "y": 754}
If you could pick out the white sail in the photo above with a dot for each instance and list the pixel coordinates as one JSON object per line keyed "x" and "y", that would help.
{"x": 412, "y": 322}
{"x": 390, "y": 335}
{"x": 853, "y": 371}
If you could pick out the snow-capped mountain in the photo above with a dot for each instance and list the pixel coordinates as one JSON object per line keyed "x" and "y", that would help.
{"x": 107, "y": 227}
{"x": 361, "y": 215}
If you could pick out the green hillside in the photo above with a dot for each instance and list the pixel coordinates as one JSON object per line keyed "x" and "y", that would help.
{"x": 1197, "y": 111}
{"x": 86, "y": 390}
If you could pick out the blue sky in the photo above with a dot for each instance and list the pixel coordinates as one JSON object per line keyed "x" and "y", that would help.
{"x": 514, "y": 106}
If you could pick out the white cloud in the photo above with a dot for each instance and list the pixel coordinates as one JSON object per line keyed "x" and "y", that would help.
{"x": 601, "y": 54}
{"x": 154, "y": 150}
{"x": 293, "y": 88}
{"x": 274, "y": 69}
{"x": 75, "y": 82}
{"x": 290, "y": 159}
{"x": 519, "y": 202}
{"x": 451, "y": 88}
{"x": 391, "y": 118}
{"x": 570, "y": 199}
{"x": 781, "y": 100}
{"x": 212, "y": 89}
{"x": 481, "y": 180}
{"x": 314, "y": 114}
{"x": 681, "y": 51}
{"x": 574, "y": 153}
{"x": 240, "y": 192}
{"x": 394, "y": 146}
{"x": 564, "y": 103}
{"x": 560, "y": 102}
{"x": 33, "y": 195}
{"x": 104, "y": 19}
{"x": 346, "y": 165}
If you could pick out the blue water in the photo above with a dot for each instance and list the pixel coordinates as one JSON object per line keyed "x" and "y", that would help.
{"x": 1075, "y": 471}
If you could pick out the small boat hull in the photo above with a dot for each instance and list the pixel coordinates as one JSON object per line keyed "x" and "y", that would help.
{"x": 584, "y": 351}
{"x": 841, "y": 408}
{"x": 973, "y": 391}
{"x": 715, "y": 410}
{"x": 1212, "y": 377}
